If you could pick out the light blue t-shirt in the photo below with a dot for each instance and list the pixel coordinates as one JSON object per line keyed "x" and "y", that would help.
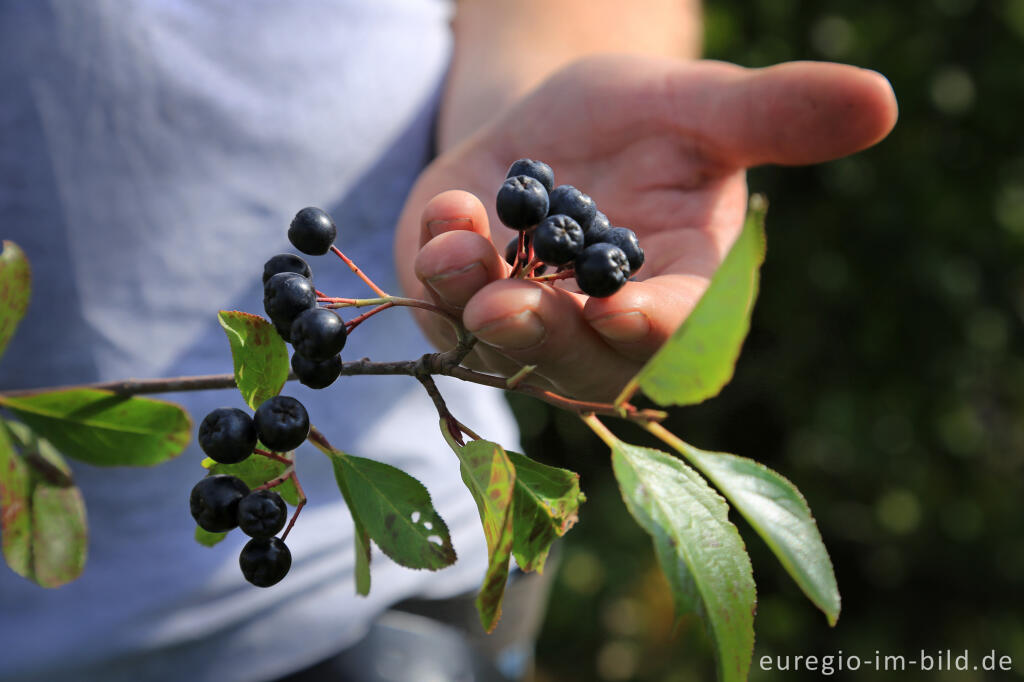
{"x": 152, "y": 154}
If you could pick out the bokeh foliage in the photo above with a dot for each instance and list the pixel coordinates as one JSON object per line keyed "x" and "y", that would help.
{"x": 884, "y": 373}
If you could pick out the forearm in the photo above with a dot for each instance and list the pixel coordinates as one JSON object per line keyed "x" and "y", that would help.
{"x": 503, "y": 48}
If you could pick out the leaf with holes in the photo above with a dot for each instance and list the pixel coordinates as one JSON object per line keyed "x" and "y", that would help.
{"x": 104, "y": 429}
{"x": 699, "y": 358}
{"x": 15, "y": 290}
{"x": 490, "y": 476}
{"x": 259, "y": 355}
{"x": 395, "y": 510}
{"x": 42, "y": 514}
{"x": 700, "y": 551}
{"x": 545, "y": 507}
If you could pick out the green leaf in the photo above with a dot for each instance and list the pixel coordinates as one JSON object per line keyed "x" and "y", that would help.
{"x": 490, "y": 476}
{"x": 208, "y": 539}
{"x": 362, "y": 537}
{"x": 699, "y": 358}
{"x": 395, "y": 510}
{"x": 105, "y": 429}
{"x": 779, "y": 513}
{"x": 362, "y": 561}
{"x": 256, "y": 470}
{"x": 545, "y": 507}
{"x": 42, "y": 514}
{"x": 259, "y": 354}
{"x": 700, "y": 551}
{"x": 15, "y": 290}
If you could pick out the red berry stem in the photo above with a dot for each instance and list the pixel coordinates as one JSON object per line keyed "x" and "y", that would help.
{"x": 564, "y": 274}
{"x": 359, "y": 273}
{"x": 354, "y": 322}
{"x": 272, "y": 455}
{"x": 298, "y": 507}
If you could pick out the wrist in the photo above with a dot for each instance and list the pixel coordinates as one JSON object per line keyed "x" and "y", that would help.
{"x": 502, "y": 50}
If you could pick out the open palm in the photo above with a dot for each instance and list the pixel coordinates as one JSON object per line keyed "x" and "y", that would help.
{"x": 662, "y": 146}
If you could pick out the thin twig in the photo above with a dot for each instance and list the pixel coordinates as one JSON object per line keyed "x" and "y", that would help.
{"x": 298, "y": 507}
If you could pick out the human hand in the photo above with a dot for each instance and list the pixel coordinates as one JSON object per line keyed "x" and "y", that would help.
{"x": 662, "y": 146}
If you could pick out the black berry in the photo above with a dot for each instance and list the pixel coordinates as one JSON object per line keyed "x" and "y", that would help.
{"x": 601, "y": 269}
{"x": 265, "y": 561}
{"x": 261, "y": 514}
{"x": 318, "y": 334}
{"x": 522, "y": 202}
{"x": 285, "y": 295}
{"x": 214, "y": 502}
{"x": 286, "y": 262}
{"x": 625, "y": 239}
{"x": 227, "y": 435}
{"x": 282, "y": 423}
{"x": 557, "y": 240}
{"x": 538, "y": 170}
{"x": 316, "y": 374}
{"x": 568, "y": 200}
{"x": 312, "y": 231}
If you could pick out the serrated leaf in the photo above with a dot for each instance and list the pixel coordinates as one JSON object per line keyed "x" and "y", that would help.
{"x": 256, "y": 470}
{"x": 490, "y": 476}
{"x": 779, "y": 513}
{"x": 15, "y": 290}
{"x": 208, "y": 539}
{"x": 259, "y": 354}
{"x": 700, "y": 551}
{"x": 545, "y": 507}
{"x": 43, "y": 514}
{"x": 395, "y": 510}
{"x": 699, "y": 358}
{"x": 104, "y": 429}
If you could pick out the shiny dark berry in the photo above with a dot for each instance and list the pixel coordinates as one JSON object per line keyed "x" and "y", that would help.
{"x": 265, "y": 561}
{"x": 522, "y": 202}
{"x": 568, "y": 200}
{"x": 316, "y": 374}
{"x": 282, "y": 423}
{"x": 557, "y": 240}
{"x": 538, "y": 170}
{"x": 262, "y": 513}
{"x": 312, "y": 231}
{"x": 227, "y": 435}
{"x": 625, "y": 239}
{"x": 214, "y": 502}
{"x": 285, "y": 295}
{"x": 601, "y": 269}
{"x": 318, "y": 334}
{"x": 286, "y": 262}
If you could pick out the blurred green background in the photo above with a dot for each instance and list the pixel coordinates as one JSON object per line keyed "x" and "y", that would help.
{"x": 884, "y": 374}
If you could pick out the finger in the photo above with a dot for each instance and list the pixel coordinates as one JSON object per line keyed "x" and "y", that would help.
{"x": 797, "y": 113}
{"x": 454, "y": 265}
{"x": 453, "y": 210}
{"x": 539, "y": 325}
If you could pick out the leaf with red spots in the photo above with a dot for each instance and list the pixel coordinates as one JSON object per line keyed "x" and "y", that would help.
{"x": 42, "y": 515}
{"x": 491, "y": 477}
{"x": 15, "y": 289}
{"x": 546, "y": 503}
{"x": 259, "y": 354}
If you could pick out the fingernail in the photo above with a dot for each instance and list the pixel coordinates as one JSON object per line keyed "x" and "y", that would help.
{"x": 516, "y": 332}
{"x": 623, "y": 327}
{"x": 436, "y": 227}
{"x": 455, "y": 286}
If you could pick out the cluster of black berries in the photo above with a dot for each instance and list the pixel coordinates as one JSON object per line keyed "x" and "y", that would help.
{"x": 221, "y": 502}
{"x": 563, "y": 228}
{"x": 316, "y": 334}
